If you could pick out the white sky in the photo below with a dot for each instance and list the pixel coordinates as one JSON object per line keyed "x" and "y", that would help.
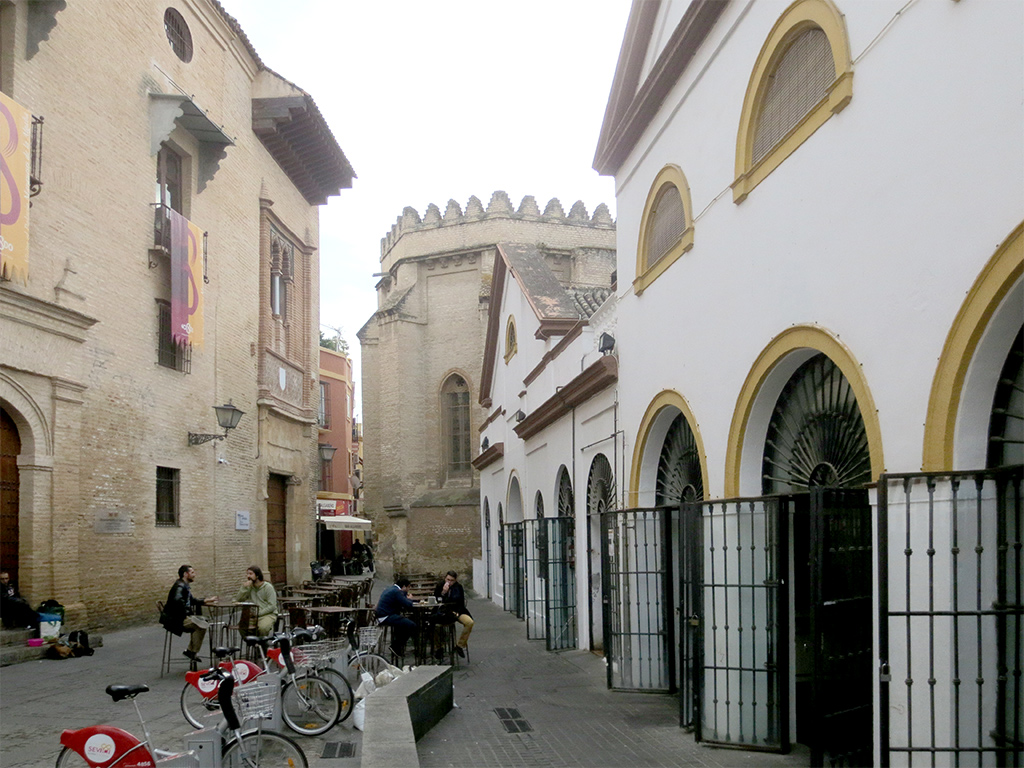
{"x": 439, "y": 100}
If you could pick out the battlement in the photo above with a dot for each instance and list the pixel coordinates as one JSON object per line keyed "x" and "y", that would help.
{"x": 500, "y": 207}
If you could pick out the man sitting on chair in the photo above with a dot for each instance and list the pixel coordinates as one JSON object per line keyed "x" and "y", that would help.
{"x": 392, "y": 602}
{"x": 183, "y": 612}
{"x": 452, "y": 598}
{"x": 263, "y": 594}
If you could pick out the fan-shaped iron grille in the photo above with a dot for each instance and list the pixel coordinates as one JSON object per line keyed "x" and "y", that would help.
{"x": 1006, "y": 425}
{"x": 600, "y": 487}
{"x": 679, "y": 477}
{"x": 816, "y": 435}
{"x": 566, "y": 505}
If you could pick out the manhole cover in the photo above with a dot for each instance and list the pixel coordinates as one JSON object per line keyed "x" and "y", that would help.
{"x": 512, "y": 720}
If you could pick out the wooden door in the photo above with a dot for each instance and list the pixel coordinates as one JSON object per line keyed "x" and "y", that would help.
{"x": 10, "y": 447}
{"x": 277, "y": 505}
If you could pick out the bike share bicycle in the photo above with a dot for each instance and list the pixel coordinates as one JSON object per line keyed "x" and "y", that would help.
{"x": 105, "y": 746}
{"x": 312, "y": 701}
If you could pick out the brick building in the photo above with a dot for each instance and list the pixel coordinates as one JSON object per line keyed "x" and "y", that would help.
{"x": 179, "y": 160}
{"x": 422, "y": 354}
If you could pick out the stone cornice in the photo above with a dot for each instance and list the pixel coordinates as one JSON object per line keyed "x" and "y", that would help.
{"x": 598, "y": 376}
{"x": 44, "y": 315}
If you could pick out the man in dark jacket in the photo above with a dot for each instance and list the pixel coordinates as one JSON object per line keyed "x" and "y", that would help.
{"x": 452, "y": 598}
{"x": 182, "y": 612}
{"x": 390, "y": 605}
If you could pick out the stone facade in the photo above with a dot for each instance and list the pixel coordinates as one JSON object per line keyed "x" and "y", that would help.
{"x": 426, "y": 341}
{"x": 99, "y": 410}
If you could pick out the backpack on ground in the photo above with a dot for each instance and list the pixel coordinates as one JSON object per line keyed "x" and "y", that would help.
{"x": 79, "y": 642}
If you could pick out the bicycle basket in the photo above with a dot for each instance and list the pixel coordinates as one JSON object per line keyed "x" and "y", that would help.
{"x": 318, "y": 654}
{"x": 369, "y": 637}
{"x": 255, "y": 701}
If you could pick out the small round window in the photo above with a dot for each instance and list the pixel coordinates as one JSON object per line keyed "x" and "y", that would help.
{"x": 178, "y": 35}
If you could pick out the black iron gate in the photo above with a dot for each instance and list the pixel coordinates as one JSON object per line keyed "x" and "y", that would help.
{"x": 950, "y": 604}
{"x": 637, "y": 598}
{"x": 514, "y": 569}
{"x": 761, "y": 576}
{"x": 535, "y": 577}
{"x": 738, "y": 611}
{"x": 562, "y": 631}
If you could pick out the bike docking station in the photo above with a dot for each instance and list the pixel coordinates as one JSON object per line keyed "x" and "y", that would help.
{"x": 257, "y": 701}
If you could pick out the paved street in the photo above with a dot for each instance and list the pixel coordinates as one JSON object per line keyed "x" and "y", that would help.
{"x": 573, "y": 719}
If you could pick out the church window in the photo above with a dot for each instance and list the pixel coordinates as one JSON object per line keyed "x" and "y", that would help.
{"x": 456, "y": 426}
{"x": 511, "y": 345}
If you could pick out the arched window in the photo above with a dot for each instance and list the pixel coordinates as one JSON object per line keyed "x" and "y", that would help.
{"x": 802, "y": 77}
{"x": 455, "y": 427}
{"x": 510, "y": 338}
{"x": 666, "y": 229}
{"x": 539, "y": 505}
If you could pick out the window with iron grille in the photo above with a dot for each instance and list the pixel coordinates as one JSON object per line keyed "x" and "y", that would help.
{"x": 168, "y": 353}
{"x": 178, "y": 34}
{"x": 167, "y": 483}
{"x": 800, "y": 80}
{"x": 455, "y": 405}
{"x": 324, "y": 416}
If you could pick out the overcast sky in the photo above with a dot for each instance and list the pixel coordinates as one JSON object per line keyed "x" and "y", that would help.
{"x": 439, "y": 100}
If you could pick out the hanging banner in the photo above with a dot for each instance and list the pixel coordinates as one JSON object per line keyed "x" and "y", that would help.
{"x": 186, "y": 280}
{"x": 15, "y": 168}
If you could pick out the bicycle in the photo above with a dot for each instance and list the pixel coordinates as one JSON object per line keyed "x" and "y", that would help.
{"x": 311, "y": 704}
{"x": 112, "y": 747}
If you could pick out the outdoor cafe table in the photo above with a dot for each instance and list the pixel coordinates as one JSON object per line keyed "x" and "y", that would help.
{"x": 424, "y": 638}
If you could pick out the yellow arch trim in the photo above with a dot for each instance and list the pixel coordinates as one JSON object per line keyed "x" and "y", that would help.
{"x": 792, "y": 339}
{"x": 664, "y": 399}
{"x": 800, "y": 16}
{"x": 989, "y": 290}
{"x": 647, "y": 274}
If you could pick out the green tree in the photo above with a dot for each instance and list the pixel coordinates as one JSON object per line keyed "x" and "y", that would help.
{"x": 336, "y": 342}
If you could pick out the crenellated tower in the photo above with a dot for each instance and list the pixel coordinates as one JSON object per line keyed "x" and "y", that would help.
{"x": 422, "y": 355}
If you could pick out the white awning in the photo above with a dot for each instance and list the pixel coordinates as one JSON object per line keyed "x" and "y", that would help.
{"x": 346, "y": 523}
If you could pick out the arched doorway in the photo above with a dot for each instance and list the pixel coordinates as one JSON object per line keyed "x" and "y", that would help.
{"x": 515, "y": 552}
{"x": 600, "y": 499}
{"x": 10, "y": 449}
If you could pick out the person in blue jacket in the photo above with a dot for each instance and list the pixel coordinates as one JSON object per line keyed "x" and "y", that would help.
{"x": 392, "y": 602}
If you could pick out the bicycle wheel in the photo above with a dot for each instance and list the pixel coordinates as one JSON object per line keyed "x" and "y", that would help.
{"x": 365, "y": 662}
{"x": 310, "y": 705}
{"x": 68, "y": 758}
{"x": 335, "y": 678}
{"x": 200, "y": 712}
{"x": 263, "y": 749}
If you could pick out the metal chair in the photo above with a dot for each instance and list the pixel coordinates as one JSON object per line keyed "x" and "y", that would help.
{"x": 167, "y": 655}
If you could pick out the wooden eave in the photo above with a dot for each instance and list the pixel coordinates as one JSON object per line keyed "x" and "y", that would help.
{"x": 299, "y": 139}
{"x": 630, "y": 109}
{"x": 491, "y": 339}
{"x": 597, "y": 377}
{"x": 489, "y": 456}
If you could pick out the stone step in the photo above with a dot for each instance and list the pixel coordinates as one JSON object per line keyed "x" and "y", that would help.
{"x": 13, "y": 649}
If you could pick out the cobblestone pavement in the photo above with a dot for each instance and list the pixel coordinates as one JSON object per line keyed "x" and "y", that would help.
{"x": 563, "y": 698}
{"x": 39, "y": 699}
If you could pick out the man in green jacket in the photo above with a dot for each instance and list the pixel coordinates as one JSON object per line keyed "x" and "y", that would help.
{"x": 262, "y": 593}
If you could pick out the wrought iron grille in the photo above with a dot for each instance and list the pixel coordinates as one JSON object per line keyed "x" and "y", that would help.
{"x": 515, "y": 567}
{"x": 535, "y": 578}
{"x": 561, "y": 583}
{"x": 950, "y": 584}
{"x": 637, "y": 597}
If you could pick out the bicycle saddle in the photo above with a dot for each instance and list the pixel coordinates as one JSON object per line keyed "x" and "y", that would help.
{"x": 220, "y": 653}
{"x": 265, "y": 642}
{"x": 119, "y": 692}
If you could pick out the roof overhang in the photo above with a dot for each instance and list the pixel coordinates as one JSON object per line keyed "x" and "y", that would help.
{"x": 489, "y": 456}
{"x": 299, "y": 139}
{"x": 597, "y": 376}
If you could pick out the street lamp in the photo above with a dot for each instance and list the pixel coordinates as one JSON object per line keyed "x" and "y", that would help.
{"x": 326, "y": 451}
{"x": 228, "y": 417}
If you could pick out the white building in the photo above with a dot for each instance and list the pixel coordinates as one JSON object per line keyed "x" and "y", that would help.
{"x": 819, "y": 310}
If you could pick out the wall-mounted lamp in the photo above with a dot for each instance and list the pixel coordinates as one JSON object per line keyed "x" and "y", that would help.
{"x": 228, "y": 417}
{"x": 327, "y": 451}
{"x": 519, "y": 415}
{"x": 606, "y": 343}
{"x": 485, "y": 444}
